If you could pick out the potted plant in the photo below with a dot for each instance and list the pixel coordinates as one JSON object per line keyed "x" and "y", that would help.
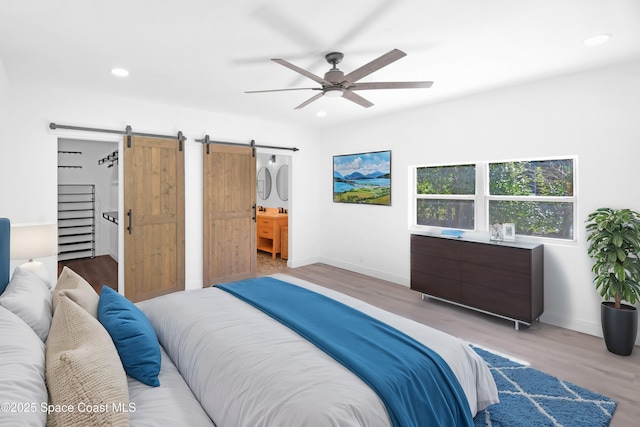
{"x": 614, "y": 245}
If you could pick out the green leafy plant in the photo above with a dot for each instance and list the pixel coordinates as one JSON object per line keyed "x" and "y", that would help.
{"x": 614, "y": 245}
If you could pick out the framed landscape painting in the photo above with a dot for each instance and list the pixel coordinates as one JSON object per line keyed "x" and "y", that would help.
{"x": 363, "y": 178}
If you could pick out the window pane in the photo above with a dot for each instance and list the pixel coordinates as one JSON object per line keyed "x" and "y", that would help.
{"x": 534, "y": 178}
{"x": 459, "y": 179}
{"x": 544, "y": 219}
{"x": 446, "y": 213}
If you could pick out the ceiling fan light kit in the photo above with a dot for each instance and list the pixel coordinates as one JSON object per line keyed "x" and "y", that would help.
{"x": 333, "y": 92}
{"x": 336, "y": 84}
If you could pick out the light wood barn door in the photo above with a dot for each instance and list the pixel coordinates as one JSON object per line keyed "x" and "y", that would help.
{"x": 154, "y": 217}
{"x": 229, "y": 213}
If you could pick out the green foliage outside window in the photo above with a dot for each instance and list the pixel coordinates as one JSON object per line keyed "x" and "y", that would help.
{"x": 531, "y": 178}
{"x": 446, "y": 213}
{"x": 543, "y": 219}
{"x": 459, "y": 179}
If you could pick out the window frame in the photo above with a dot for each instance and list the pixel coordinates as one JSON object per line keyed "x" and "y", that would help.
{"x": 466, "y": 197}
{"x": 482, "y": 198}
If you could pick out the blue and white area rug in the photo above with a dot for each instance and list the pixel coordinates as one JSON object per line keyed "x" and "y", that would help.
{"x": 529, "y": 397}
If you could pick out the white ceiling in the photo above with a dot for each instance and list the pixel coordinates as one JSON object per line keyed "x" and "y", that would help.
{"x": 206, "y": 53}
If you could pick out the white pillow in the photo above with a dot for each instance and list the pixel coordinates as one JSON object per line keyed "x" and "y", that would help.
{"x": 22, "y": 372}
{"x": 29, "y": 298}
{"x": 38, "y": 268}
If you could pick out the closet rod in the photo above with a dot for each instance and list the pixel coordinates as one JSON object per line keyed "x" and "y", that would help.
{"x": 207, "y": 140}
{"x": 127, "y": 131}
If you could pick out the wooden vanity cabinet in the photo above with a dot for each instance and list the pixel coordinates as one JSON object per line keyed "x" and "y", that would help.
{"x": 268, "y": 232}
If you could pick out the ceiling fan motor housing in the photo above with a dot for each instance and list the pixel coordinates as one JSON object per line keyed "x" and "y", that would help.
{"x": 334, "y": 76}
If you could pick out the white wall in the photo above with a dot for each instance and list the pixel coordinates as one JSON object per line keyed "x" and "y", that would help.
{"x": 31, "y": 196}
{"x": 592, "y": 115}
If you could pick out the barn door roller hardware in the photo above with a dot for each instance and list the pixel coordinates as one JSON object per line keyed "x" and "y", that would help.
{"x": 128, "y": 132}
{"x": 207, "y": 140}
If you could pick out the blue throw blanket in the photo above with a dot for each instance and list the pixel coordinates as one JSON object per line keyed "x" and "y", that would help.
{"x": 416, "y": 385}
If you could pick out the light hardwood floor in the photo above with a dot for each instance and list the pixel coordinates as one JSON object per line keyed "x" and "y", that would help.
{"x": 575, "y": 357}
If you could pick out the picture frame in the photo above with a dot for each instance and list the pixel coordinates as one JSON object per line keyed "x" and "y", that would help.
{"x": 509, "y": 232}
{"x": 362, "y": 178}
{"x": 496, "y": 233}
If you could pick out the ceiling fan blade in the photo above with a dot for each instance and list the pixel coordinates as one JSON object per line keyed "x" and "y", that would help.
{"x": 390, "y": 85}
{"x": 310, "y": 100}
{"x": 302, "y": 71}
{"x": 374, "y": 65}
{"x": 282, "y": 90}
{"x": 357, "y": 99}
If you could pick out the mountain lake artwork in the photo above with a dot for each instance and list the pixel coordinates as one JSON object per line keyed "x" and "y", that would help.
{"x": 362, "y": 178}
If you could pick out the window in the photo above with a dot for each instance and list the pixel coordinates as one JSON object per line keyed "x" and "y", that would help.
{"x": 536, "y": 195}
{"x": 446, "y": 196}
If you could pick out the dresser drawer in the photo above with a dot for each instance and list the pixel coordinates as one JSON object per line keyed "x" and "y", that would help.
{"x": 265, "y": 231}
{"x": 265, "y": 222}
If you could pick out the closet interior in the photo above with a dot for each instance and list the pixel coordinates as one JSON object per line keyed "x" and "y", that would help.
{"x": 88, "y": 207}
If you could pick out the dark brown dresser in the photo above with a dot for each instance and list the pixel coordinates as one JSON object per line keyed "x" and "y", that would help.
{"x": 504, "y": 279}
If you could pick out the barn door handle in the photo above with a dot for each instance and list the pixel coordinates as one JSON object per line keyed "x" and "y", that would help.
{"x": 254, "y": 212}
{"x": 130, "y": 227}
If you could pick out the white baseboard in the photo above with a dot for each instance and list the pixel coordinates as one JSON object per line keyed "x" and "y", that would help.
{"x": 405, "y": 281}
{"x": 561, "y": 321}
{"x": 294, "y": 263}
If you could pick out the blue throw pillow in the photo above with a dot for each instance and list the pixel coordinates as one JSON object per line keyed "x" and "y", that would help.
{"x": 132, "y": 334}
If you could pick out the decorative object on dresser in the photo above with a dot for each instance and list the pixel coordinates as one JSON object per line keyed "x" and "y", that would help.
{"x": 362, "y": 178}
{"x": 614, "y": 245}
{"x": 509, "y": 232}
{"x": 505, "y": 280}
{"x": 268, "y": 230}
{"x": 495, "y": 233}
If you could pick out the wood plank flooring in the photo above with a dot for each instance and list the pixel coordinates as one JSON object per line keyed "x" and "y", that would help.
{"x": 98, "y": 271}
{"x": 575, "y": 357}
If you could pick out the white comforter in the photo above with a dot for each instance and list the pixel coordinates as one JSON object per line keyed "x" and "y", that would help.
{"x": 247, "y": 369}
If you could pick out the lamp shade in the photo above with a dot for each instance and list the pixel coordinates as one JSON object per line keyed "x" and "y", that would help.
{"x": 29, "y": 241}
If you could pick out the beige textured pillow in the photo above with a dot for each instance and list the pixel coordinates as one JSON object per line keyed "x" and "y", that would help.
{"x": 83, "y": 371}
{"x": 85, "y": 298}
{"x": 69, "y": 279}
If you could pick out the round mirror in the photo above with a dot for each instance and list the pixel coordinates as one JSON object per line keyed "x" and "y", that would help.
{"x": 264, "y": 183}
{"x": 282, "y": 182}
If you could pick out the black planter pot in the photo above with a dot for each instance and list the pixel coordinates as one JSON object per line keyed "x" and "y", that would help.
{"x": 619, "y": 327}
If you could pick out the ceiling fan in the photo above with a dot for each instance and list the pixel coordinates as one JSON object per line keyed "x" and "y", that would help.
{"x": 336, "y": 84}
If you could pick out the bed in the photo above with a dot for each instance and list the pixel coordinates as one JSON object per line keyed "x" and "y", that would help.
{"x": 225, "y": 361}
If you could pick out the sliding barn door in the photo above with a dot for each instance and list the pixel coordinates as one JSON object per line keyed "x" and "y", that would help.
{"x": 229, "y": 213}
{"x": 154, "y": 217}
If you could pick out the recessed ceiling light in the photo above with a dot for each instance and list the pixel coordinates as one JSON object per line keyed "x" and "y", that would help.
{"x": 120, "y": 72}
{"x": 598, "y": 40}
{"x": 321, "y": 113}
